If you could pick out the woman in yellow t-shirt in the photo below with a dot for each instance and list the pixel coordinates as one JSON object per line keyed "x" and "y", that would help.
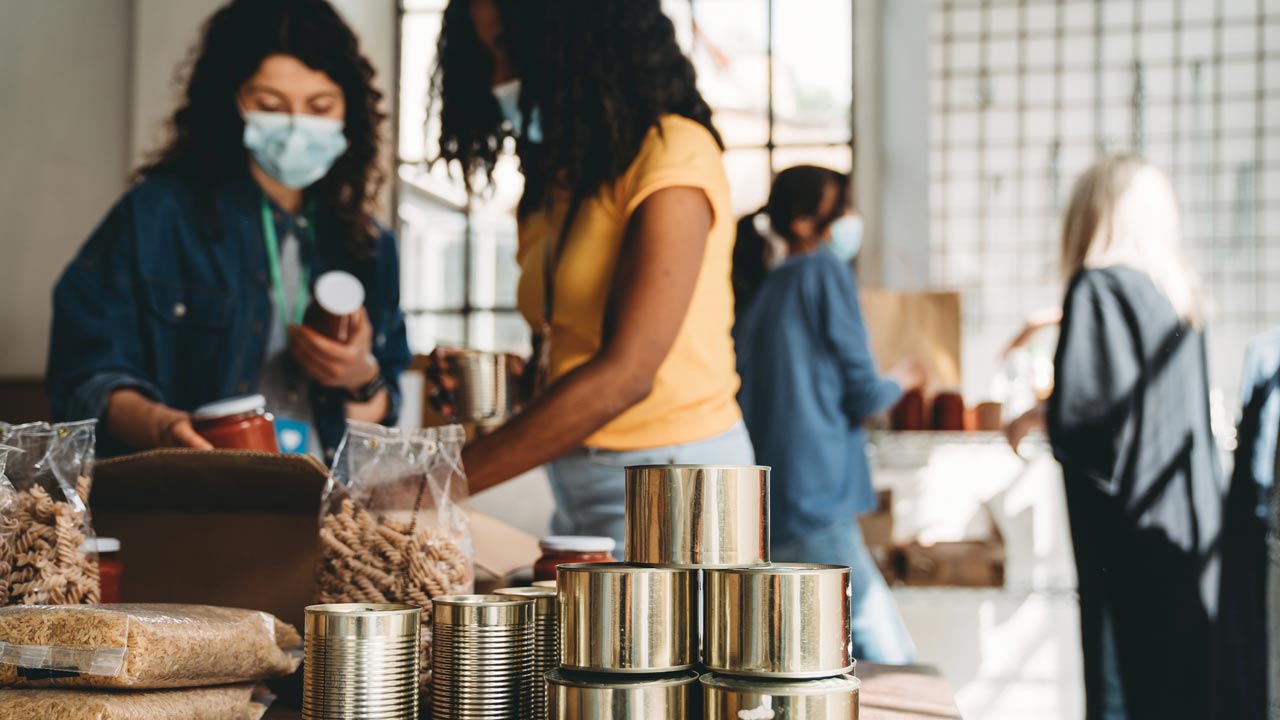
{"x": 626, "y": 240}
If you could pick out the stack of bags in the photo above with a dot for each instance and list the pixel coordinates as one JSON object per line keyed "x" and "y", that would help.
{"x": 140, "y": 662}
{"x": 776, "y": 638}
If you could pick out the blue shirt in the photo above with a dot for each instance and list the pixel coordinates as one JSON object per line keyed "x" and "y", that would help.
{"x": 808, "y": 383}
{"x": 156, "y": 302}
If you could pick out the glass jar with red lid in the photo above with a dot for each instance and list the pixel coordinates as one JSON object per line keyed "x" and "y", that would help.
{"x": 241, "y": 423}
{"x": 110, "y": 568}
{"x": 565, "y": 549}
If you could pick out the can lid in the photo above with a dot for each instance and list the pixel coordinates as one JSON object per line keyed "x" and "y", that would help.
{"x": 761, "y": 686}
{"x": 229, "y": 407}
{"x": 339, "y": 292}
{"x": 578, "y": 543}
{"x": 101, "y": 545}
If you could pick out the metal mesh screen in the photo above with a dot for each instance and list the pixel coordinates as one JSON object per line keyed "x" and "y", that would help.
{"x": 1026, "y": 94}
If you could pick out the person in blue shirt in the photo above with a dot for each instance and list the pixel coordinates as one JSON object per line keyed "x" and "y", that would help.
{"x": 808, "y": 384}
{"x": 192, "y": 289}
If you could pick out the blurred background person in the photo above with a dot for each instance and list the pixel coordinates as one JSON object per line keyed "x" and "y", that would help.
{"x": 1129, "y": 422}
{"x": 809, "y": 383}
{"x": 626, "y": 238}
{"x": 192, "y": 289}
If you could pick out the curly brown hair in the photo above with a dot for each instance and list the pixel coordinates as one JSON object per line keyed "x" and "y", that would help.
{"x": 205, "y": 148}
{"x": 601, "y": 73}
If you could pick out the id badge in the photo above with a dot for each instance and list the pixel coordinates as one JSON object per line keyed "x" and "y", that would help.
{"x": 293, "y": 436}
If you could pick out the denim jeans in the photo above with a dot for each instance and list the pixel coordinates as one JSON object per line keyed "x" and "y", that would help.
{"x": 590, "y": 486}
{"x": 879, "y": 634}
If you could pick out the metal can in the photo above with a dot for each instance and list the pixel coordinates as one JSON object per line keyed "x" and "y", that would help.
{"x": 361, "y": 662}
{"x": 482, "y": 657}
{"x": 726, "y": 698}
{"x": 586, "y": 696}
{"x": 697, "y": 516}
{"x": 781, "y": 621}
{"x": 546, "y": 638}
{"x": 618, "y": 618}
{"x": 486, "y": 392}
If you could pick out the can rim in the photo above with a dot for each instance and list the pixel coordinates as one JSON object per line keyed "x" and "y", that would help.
{"x": 608, "y": 681}
{"x": 784, "y": 569}
{"x": 695, "y": 466}
{"x": 622, "y": 568}
{"x": 839, "y": 683}
{"x": 363, "y": 609}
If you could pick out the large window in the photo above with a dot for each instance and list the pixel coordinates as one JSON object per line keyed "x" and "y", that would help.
{"x": 1027, "y": 93}
{"x": 778, "y": 74}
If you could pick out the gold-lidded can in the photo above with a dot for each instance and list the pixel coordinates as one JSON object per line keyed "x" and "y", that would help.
{"x": 730, "y": 698}
{"x": 697, "y": 516}
{"x": 361, "y": 661}
{"x": 590, "y": 696}
{"x": 619, "y": 618}
{"x": 546, "y": 639}
{"x": 482, "y": 657}
{"x": 781, "y": 621}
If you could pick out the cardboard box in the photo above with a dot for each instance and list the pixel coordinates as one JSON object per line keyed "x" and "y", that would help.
{"x": 239, "y": 529}
{"x": 953, "y": 564}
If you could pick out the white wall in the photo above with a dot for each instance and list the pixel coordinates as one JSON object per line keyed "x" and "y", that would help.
{"x": 63, "y": 157}
{"x": 892, "y": 47}
{"x": 86, "y": 87}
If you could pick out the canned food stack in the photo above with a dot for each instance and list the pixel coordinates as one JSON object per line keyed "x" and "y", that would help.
{"x": 776, "y": 638}
{"x": 483, "y": 658}
{"x": 546, "y": 639}
{"x": 630, "y": 631}
{"x": 362, "y": 662}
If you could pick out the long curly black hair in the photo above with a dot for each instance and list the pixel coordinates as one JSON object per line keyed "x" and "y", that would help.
{"x": 601, "y": 74}
{"x": 205, "y": 148}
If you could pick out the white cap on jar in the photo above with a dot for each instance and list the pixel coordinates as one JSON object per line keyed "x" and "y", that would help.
{"x": 578, "y": 543}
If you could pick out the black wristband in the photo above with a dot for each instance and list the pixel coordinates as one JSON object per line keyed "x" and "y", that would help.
{"x": 369, "y": 391}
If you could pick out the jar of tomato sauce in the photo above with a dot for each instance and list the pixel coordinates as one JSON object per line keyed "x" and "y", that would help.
{"x": 110, "y": 569}
{"x": 564, "y": 549}
{"x": 241, "y": 423}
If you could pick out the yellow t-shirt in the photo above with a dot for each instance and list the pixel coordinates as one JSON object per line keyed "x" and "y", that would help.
{"x": 694, "y": 393}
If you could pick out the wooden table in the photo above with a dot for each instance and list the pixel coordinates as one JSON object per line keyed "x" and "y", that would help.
{"x": 911, "y": 692}
{"x": 914, "y": 692}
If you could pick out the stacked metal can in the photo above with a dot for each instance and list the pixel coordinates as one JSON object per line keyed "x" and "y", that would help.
{"x": 362, "y": 662}
{"x": 482, "y": 658}
{"x": 546, "y": 639}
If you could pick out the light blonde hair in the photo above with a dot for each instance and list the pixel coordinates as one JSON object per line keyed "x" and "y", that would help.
{"x": 1123, "y": 211}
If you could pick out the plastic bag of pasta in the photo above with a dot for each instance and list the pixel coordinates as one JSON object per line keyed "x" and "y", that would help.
{"x": 392, "y": 525}
{"x": 51, "y": 470}
{"x": 232, "y": 702}
{"x": 143, "y": 646}
{"x": 8, "y": 526}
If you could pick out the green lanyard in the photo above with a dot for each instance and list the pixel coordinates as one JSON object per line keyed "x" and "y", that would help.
{"x": 273, "y": 264}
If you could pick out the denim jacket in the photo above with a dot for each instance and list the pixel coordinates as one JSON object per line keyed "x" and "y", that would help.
{"x": 153, "y": 303}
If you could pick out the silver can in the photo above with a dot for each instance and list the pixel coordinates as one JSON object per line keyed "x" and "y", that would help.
{"x": 361, "y": 661}
{"x": 697, "y": 516}
{"x": 618, "y": 618}
{"x": 726, "y": 698}
{"x": 781, "y": 621}
{"x": 482, "y": 658}
{"x": 586, "y": 696}
{"x": 486, "y": 390}
{"x": 546, "y": 638}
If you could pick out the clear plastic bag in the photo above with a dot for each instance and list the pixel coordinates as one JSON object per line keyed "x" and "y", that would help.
{"x": 392, "y": 523}
{"x": 142, "y": 646}
{"x": 8, "y": 525}
{"x": 50, "y": 553}
{"x": 232, "y": 702}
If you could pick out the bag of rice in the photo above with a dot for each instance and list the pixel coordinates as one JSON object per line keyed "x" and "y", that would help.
{"x": 142, "y": 646}
{"x": 233, "y": 702}
{"x": 49, "y": 557}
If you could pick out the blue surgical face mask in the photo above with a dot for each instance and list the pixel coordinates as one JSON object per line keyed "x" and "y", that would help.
{"x": 846, "y": 238}
{"x": 297, "y": 150}
{"x": 508, "y": 96}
